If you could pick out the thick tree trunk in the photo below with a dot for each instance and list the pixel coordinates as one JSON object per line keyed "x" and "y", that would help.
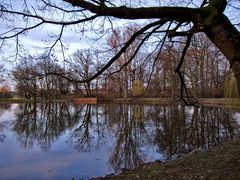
{"x": 227, "y": 38}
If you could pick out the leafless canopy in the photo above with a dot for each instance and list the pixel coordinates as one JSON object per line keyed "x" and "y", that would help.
{"x": 159, "y": 22}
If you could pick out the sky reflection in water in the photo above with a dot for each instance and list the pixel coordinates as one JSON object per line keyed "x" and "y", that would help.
{"x": 61, "y": 141}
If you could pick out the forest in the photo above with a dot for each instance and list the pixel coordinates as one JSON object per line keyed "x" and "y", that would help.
{"x": 132, "y": 49}
{"x": 205, "y": 71}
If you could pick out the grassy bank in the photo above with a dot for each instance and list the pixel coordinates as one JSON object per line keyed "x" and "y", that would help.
{"x": 203, "y": 101}
{"x": 22, "y": 100}
{"x": 219, "y": 102}
{"x": 222, "y": 162}
{"x": 139, "y": 100}
{"x": 14, "y": 100}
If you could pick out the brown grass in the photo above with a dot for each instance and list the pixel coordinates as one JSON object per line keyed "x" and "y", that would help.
{"x": 222, "y": 162}
{"x": 84, "y": 100}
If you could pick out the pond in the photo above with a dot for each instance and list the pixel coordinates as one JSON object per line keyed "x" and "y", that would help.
{"x": 64, "y": 141}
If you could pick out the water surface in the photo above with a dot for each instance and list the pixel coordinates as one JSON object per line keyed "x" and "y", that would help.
{"x": 64, "y": 141}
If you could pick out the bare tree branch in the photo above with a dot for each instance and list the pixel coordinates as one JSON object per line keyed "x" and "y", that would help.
{"x": 184, "y": 89}
{"x": 137, "y": 49}
{"x": 123, "y": 49}
{"x": 172, "y": 13}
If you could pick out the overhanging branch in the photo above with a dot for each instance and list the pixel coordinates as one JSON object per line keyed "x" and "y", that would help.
{"x": 189, "y": 100}
{"x": 136, "y": 51}
{"x": 172, "y": 13}
{"x": 122, "y": 50}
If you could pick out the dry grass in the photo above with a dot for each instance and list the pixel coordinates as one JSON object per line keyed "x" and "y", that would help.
{"x": 222, "y": 162}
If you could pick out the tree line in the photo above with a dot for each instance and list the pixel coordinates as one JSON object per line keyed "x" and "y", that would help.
{"x": 206, "y": 72}
{"x": 159, "y": 25}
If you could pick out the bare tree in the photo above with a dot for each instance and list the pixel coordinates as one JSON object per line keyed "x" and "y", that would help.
{"x": 33, "y": 81}
{"x": 205, "y": 68}
{"x": 50, "y": 86}
{"x": 167, "y": 19}
{"x": 82, "y": 66}
{"x": 26, "y": 78}
{"x": 125, "y": 70}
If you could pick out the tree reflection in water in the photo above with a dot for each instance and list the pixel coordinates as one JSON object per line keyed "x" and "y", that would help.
{"x": 127, "y": 130}
{"x": 183, "y": 129}
{"x": 42, "y": 124}
{"x": 130, "y": 133}
{"x": 175, "y": 130}
{"x": 90, "y": 132}
{"x": 3, "y": 125}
